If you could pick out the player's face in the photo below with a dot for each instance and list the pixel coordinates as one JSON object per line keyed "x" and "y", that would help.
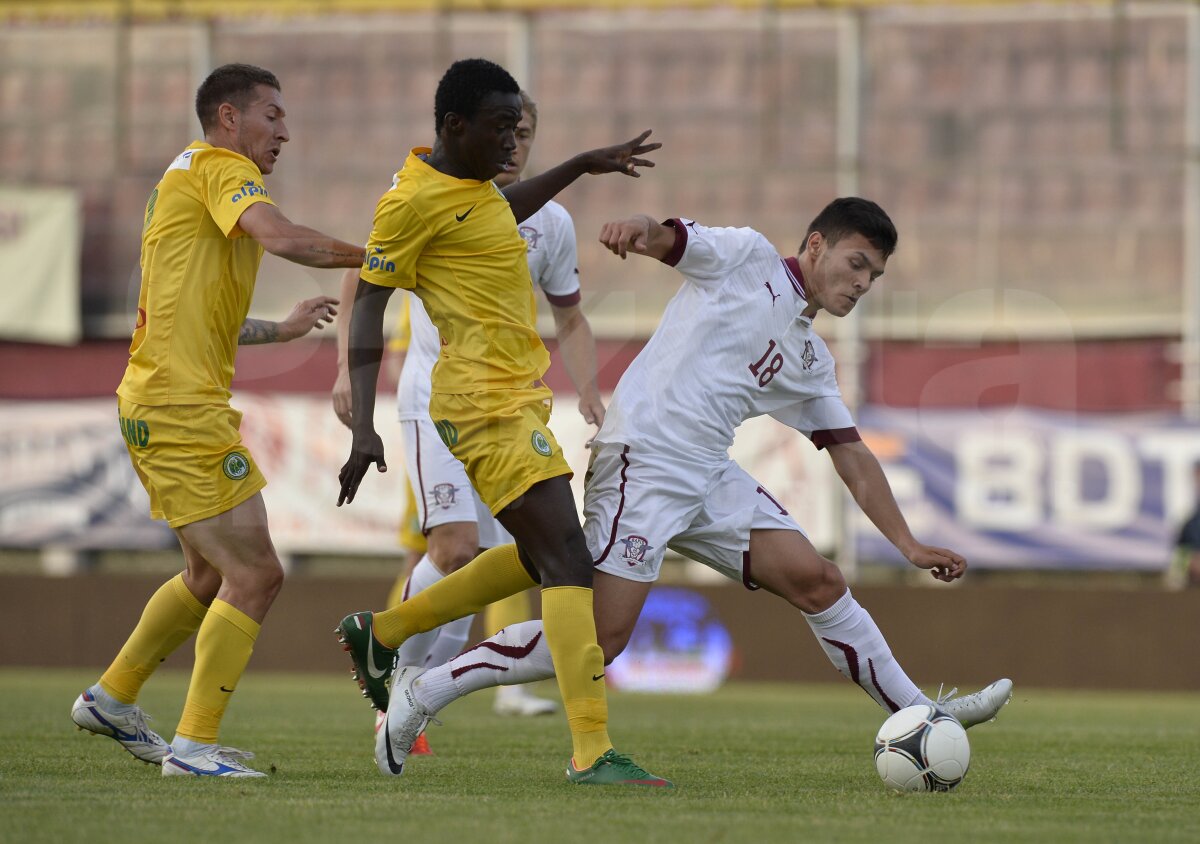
{"x": 844, "y": 272}
{"x": 260, "y": 131}
{"x": 520, "y": 155}
{"x": 488, "y": 140}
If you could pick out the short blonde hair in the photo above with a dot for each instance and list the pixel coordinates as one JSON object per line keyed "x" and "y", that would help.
{"x": 527, "y": 104}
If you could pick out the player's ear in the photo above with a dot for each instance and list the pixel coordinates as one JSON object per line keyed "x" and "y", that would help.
{"x": 227, "y": 116}
{"x": 453, "y": 124}
{"x": 811, "y": 244}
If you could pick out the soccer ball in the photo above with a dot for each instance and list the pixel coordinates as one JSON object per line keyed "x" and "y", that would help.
{"x": 922, "y": 748}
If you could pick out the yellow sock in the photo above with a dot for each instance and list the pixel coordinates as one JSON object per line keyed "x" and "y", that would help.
{"x": 579, "y": 666}
{"x": 170, "y": 618}
{"x": 223, "y": 648}
{"x": 494, "y": 574}
{"x": 511, "y": 610}
{"x": 396, "y": 593}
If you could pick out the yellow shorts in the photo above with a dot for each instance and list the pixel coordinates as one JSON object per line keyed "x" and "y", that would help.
{"x": 190, "y": 458}
{"x": 502, "y": 439}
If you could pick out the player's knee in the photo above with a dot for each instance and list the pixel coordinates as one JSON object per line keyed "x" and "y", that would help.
{"x": 565, "y": 561}
{"x": 451, "y": 558}
{"x": 269, "y": 576}
{"x": 820, "y": 587}
{"x": 451, "y": 549}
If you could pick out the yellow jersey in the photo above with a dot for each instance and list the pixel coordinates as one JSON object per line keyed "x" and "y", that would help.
{"x": 455, "y": 243}
{"x": 198, "y": 273}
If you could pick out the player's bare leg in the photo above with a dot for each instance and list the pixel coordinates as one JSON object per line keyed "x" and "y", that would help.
{"x": 519, "y": 653}
{"x": 237, "y": 544}
{"x": 785, "y": 563}
{"x": 170, "y": 618}
{"x": 546, "y": 526}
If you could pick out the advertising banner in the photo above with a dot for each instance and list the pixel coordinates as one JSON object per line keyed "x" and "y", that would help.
{"x": 1035, "y": 489}
{"x": 1007, "y": 489}
{"x": 39, "y": 262}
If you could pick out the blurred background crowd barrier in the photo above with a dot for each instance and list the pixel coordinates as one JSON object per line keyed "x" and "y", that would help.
{"x": 1028, "y": 369}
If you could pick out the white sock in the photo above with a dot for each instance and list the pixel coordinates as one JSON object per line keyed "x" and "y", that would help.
{"x": 417, "y": 649}
{"x": 517, "y": 654}
{"x": 451, "y": 639}
{"x": 181, "y": 746}
{"x": 108, "y": 703}
{"x": 857, "y": 649}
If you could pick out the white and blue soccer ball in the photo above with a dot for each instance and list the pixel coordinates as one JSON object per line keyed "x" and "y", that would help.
{"x": 922, "y": 748}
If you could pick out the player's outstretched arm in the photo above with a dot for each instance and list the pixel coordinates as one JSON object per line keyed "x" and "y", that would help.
{"x": 341, "y": 385}
{"x": 365, "y": 353}
{"x": 300, "y": 244}
{"x": 640, "y": 234}
{"x": 528, "y": 195}
{"x": 864, "y": 477}
{"x": 307, "y": 315}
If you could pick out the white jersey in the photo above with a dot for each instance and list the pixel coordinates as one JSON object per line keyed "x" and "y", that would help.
{"x": 550, "y": 250}
{"x": 731, "y": 345}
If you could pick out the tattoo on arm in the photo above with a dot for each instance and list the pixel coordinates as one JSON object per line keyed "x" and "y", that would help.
{"x": 257, "y": 331}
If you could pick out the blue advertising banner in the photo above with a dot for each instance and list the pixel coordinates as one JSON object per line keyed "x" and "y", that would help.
{"x": 1034, "y": 489}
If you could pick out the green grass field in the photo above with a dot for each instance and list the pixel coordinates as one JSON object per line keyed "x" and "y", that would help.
{"x": 758, "y": 763}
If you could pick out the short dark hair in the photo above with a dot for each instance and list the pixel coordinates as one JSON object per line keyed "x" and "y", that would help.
{"x": 229, "y": 83}
{"x": 853, "y": 215}
{"x": 466, "y": 84}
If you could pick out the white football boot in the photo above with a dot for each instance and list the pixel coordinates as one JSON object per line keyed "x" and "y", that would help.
{"x": 406, "y": 720}
{"x": 217, "y": 761}
{"x": 978, "y": 707}
{"x": 516, "y": 700}
{"x": 128, "y": 729}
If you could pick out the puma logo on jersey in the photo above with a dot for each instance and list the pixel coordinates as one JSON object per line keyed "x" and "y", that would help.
{"x": 463, "y": 215}
{"x": 774, "y": 295}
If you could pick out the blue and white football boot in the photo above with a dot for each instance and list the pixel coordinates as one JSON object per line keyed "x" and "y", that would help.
{"x": 128, "y": 729}
{"x": 214, "y": 761}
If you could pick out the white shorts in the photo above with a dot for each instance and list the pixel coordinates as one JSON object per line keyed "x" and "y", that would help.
{"x": 637, "y": 504}
{"x": 444, "y": 494}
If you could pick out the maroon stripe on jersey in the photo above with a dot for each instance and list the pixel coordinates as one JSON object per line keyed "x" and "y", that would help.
{"x": 836, "y": 436}
{"x": 612, "y": 537}
{"x": 564, "y": 301}
{"x": 796, "y": 276}
{"x": 850, "y": 654}
{"x": 746, "y": 581}
{"x": 672, "y": 257}
{"x": 888, "y": 702}
{"x": 421, "y": 484}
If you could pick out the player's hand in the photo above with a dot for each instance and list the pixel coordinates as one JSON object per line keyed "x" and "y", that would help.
{"x": 591, "y": 408}
{"x": 622, "y": 158}
{"x": 341, "y": 396}
{"x": 367, "y": 449}
{"x": 944, "y": 564}
{"x": 307, "y": 315}
{"x": 624, "y": 236}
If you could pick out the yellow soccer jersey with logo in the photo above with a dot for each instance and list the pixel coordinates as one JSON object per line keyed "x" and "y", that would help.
{"x": 455, "y": 243}
{"x": 198, "y": 272}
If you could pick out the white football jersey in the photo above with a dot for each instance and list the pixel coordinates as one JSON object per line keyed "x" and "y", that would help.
{"x": 731, "y": 345}
{"x": 550, "y": 250}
